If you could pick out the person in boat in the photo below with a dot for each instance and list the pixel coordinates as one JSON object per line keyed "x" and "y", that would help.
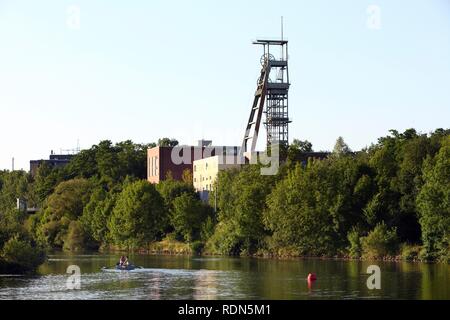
{"x": 126, "y": 262}
{"x": 122, "y": 261}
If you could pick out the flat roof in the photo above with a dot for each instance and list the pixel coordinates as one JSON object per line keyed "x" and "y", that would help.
{"x": 273, "y": 42}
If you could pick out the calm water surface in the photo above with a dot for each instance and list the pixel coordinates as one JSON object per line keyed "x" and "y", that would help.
{"x": 172, "y": 277}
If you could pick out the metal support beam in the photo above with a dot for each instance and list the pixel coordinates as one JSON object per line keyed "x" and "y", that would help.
{"x": 271, "y": 98}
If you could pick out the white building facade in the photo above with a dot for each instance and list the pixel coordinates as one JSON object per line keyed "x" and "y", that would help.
{"x": 205, "y": 171}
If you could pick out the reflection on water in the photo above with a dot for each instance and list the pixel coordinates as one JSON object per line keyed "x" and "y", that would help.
{"x": 169, "y": 277}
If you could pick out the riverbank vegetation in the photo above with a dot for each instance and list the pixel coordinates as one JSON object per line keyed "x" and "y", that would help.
{"x": 390, "y": 200}
{"x": 19, "y": 251}
{"x": 376, "y": 203}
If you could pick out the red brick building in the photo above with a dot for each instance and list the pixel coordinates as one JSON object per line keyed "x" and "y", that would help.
{"x": 160, "y": 163}
{"x": 162, "y": 160}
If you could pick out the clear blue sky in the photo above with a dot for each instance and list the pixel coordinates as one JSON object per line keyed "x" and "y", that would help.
{"x": 142, "y": 70}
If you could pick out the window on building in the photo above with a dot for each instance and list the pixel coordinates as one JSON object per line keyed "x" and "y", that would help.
{"x": 152, "y": 161}
{"x": 149, "y": 167}
{"x": 195, "y": 168}
{"x": 153, "y": 166}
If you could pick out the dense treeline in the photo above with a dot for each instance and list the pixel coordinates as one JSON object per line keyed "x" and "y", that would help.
{"x": 19, "y": 252}
{"x": 75, "y": 203}
{"x": 390, "y": 199}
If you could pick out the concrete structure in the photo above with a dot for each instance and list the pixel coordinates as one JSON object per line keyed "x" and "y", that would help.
{"x": 174, "y": 161}
{"x": 206, "y": 171}
{"x": 54, "y": 161}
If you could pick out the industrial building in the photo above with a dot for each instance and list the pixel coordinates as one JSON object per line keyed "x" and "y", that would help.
{"x": 163, "y": 162}
{"x": 54, "y": 161}
{"x": 207, "y": 169}
{"x": 205, "y": 162}
{"x": 160, "y": 164}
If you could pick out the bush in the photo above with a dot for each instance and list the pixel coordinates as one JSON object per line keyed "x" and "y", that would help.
{"x": 355, "y": 244}
{"x": 380, "y": 242}
{"x": 75, "y": 239}
{"x": 21, "y": 255}
{"x": 169, "y": 245}
{"x": 207, "y": 229}
{"x": 410, "y": 252}
{"x": 197, "y": 247}
{"x": 11, "y": 223}
{"x": 225, "y": 240}
{"x": 171, "y": 236}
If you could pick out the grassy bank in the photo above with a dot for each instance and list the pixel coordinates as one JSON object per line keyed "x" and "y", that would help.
{"x": 169, "y": 246}
{"x": 165, "y": 247}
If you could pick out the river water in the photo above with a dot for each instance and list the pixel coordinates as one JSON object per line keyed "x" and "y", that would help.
{"x": 182, "y": 277}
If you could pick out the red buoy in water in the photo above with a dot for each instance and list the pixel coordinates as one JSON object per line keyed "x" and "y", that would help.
{"x": 312, "y": 277}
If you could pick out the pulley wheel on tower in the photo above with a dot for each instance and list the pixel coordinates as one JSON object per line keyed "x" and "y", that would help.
{"x": 266, "y": 57}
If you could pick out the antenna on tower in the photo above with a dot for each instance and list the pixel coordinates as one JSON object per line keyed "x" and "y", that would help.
{"x": 13, "y": 164}
{"x": 282, "y": 37}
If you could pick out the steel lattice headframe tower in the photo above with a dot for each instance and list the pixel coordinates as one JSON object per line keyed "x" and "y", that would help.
{"x": 271, "y": 98}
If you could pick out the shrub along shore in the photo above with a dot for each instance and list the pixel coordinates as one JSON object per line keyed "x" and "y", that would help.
{"x": 388, "y": 201}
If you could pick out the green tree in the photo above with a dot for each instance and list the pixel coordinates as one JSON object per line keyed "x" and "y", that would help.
{"x": 315, "y": 206}
{"x": 398, "y": 161}
{"x": 132, "y": 159}
{"x": 20, "y": 256}
{"x": 76, "y": 237}
{"x": 167, "y": 142}
{"x": 13, "y": 185}
{"x": 296, "y": 148}
{"x": 302, "y": 145}
{"x": 341, "y": 148}
{"x": 96, "y": 215}
{"x": 241, "y": 200}
{"x": 138, "y": 216}
{"x": 298, "y": 212}
{"x": 66, "y": 204}
{"x": 45, "y": 181}
{"x": 188, "y": 215}
{"x": 170, "y": 189}
{"x": 433, "y": 202}
{"x": 109, "y": 164}
{"x": 11, "y": 224}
